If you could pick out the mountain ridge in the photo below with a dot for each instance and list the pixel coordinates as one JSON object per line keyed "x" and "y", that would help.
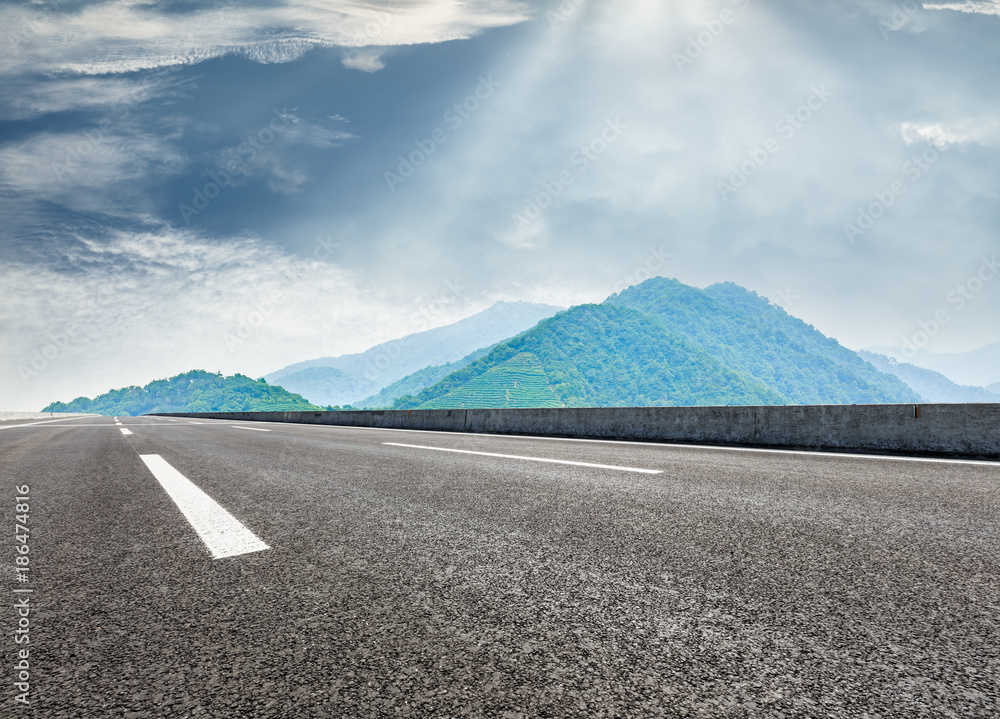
{"x": 368, "y": 372}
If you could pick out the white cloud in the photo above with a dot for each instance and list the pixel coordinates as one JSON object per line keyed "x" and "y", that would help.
{"x": 147, "y": 304}
{"x": 942, "y": 135}
{"x": 277, "y": 160}
{"x": 25, "y": 98}
{"x": 364, "y": 60}
{"x": 118, "y": 37}
{"x": 91, "y": 170}
{"x": 983, "y": 7}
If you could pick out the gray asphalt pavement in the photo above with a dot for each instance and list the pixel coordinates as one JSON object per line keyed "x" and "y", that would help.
{"x": 408, "y": 581}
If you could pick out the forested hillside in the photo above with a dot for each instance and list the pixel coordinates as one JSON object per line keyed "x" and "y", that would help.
{"x": 594, "y": 355}
{"x": 747, "y": 333}
{"x": 665, "y": 343}
{"x": 195, "y": 391}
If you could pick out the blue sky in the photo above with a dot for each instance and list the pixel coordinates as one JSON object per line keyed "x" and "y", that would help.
{"x": 243, "y": 185}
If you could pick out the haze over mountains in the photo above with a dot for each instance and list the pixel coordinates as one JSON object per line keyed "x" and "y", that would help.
{"x": 979, "y": 367}
{"x": 930, "y": 385}
{"x": 349, "y": 378}
{"x": 665, "y": 343}
{"x": 659, "y": 343}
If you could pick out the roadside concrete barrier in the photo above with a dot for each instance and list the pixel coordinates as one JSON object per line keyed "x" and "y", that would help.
{"x": 945, "y": 430}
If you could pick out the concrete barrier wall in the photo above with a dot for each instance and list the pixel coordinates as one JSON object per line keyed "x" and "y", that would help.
{"x": 948, "y": 430}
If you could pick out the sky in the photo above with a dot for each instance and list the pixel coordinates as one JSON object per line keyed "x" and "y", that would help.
{"x": 239, "y": 185}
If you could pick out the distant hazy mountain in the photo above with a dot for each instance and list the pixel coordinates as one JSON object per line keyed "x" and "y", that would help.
{"x": 664, "y": 343}
{"x": 366, "y": 373}
{"x": 195, "y": 391}
{"x": 417, "y": 382}
{"x": 930, "y": 385}
{"x": 994, "y": 388}
{"x": 979, "y": 367}
{"x": 326, "y": 385}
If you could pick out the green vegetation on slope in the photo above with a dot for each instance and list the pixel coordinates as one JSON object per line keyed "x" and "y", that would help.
{"x": 601, "y": 356}
{"x": 417, "y": 382}
{"x": 517, "y": 382}
{"x": 368, "y": 372}
{"x": 195, "y": 391}
{"x": 750, "y": 335}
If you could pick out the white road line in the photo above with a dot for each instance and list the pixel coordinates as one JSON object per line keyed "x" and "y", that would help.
{"x": 125, "y": 431}
{"x": 47, "y": 421}
{"x": 252, "y": 429}
{"x": 530, "y": 459}
{"x": 652, "y": 444}
{"x": 221, "y": 532}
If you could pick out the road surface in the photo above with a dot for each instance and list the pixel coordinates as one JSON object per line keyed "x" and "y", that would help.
{"x": 185, "y": 568}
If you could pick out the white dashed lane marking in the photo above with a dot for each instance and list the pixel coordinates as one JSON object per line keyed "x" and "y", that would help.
{"x": 252, "y": 429}
{"x": 125, "y": 431}
{"x": 530, "y": 459}
{"x": 221, "y": 532}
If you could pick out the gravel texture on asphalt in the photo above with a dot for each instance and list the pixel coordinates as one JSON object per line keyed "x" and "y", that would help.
{"x": 414, "y": 583}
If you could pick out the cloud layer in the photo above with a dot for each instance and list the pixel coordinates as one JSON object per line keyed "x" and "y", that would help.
{"x": 165, "y": 170}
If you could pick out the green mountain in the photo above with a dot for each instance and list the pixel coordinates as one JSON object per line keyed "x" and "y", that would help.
{"x": 594, "y": 355}
{"x": 750, "y": 335}
{"x": 366, "y": 373}
{"x": 665, "y": 343}
{"x": 195, "y": 391}
{"x": 417, "y": 382}
{"x": 930, "y": 385}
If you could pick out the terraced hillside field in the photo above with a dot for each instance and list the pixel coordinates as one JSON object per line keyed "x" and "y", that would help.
{"x": 519, "y": 382}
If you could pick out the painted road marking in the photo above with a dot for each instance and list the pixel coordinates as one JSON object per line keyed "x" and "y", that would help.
{"x": 47, "y": 421}
{"x": 652, "y": 444}
{"x": 221, "y": 532}
{"x": 252, "y": 429}
{"x": 530, "y": 459}
{"x": 125, "y": 431}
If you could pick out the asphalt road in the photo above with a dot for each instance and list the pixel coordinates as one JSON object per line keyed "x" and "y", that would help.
{"x": 407, "y": 581}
